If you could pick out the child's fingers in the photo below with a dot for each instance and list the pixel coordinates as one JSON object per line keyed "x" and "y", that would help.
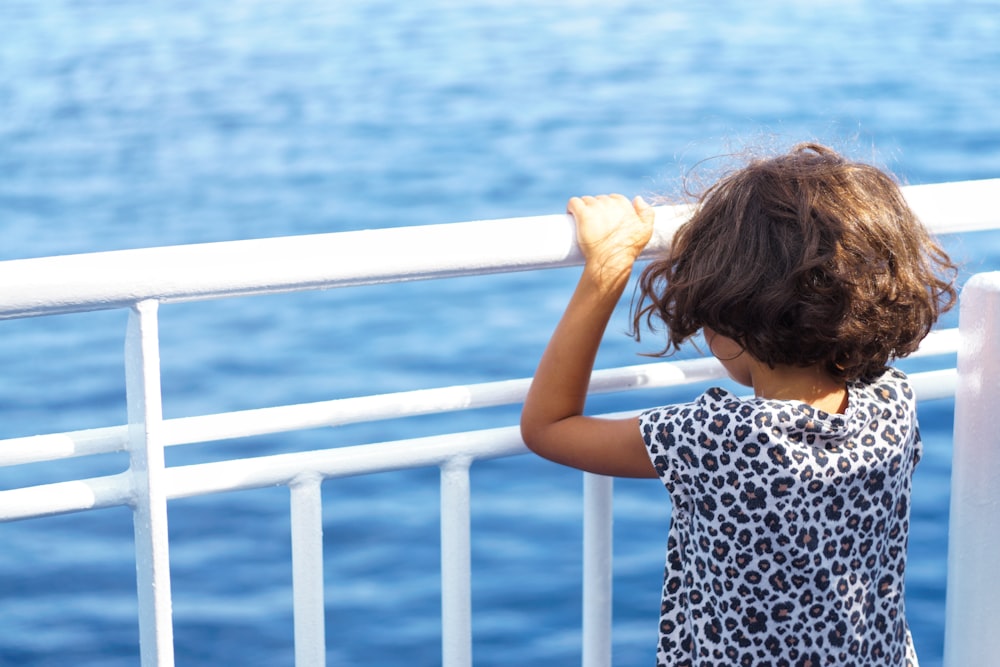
{"x": 606, "y": 217}
{"x": 610, "y": 202}
{"x": 644, "y": 210}
{"x": 577, "y": 205}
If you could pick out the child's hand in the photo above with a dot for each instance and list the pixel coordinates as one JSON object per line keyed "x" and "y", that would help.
{"x": 611, "y": 231}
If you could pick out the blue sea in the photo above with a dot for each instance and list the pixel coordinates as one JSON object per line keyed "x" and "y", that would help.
{"x": 133, "y": 124}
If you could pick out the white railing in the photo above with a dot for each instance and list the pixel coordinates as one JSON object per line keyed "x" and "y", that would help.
{"x": 140, "y": 280}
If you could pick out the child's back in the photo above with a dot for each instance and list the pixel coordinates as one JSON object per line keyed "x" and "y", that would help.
{"x": 788, "y": 535}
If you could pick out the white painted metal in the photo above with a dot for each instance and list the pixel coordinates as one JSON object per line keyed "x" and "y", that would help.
{"x": 456, "y": 564}
{"x": 973, "y": 592}
{"x": 146, "y": 467}
{"x": 598, "y": 545}
{"x": 64, "y": 497}
{"x": 283, "y": 469}
{"x": 118, "y": 279}
{"x": 263, "y": 421}
{"x": 307, "y": 571}
{"x": 961, "y": 206}
{"x": 260, "y": 266}
{"x": 51, "y": 447}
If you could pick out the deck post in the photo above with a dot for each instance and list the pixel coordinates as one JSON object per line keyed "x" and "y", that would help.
{"x": 307, "y": 571}
{"x": 456, "y": 564}
{"x": 146, "y": 466}
{"x": 973, "y": 594}
{"x": 598, "y": 547}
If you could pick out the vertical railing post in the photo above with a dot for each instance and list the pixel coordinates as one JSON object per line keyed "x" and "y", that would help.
{"x": 146, "y": 465}
{"x": 598, "y": 546}
{"x": 456, "y": 565}
{"x": 307, "y": 571}
{"x": 973, "y": 592}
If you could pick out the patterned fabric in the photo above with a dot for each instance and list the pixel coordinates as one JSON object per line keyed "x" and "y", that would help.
{"x": 788, "y": 535}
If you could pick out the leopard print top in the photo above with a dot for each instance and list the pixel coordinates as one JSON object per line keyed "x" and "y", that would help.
{"x": 787, "y": 542}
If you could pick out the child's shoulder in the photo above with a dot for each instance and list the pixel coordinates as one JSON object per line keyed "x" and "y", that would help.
{"x": 712, "y": 401}
{"x": 890, "y": 386}
{"x": 889, "y": 374}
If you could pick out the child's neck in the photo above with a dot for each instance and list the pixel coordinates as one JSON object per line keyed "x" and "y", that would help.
{"x": 812, "y": 385}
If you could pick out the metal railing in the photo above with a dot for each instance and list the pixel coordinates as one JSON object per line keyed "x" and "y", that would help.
{"x": 140, "y": 280}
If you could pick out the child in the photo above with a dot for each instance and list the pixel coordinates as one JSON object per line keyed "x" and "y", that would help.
{"x": 807, "y": 274}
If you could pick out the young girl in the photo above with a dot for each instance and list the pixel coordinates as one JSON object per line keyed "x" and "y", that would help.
{"x": 807, "y": 274}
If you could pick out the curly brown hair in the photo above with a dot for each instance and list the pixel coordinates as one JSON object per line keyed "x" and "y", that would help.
{"x": 806, "y": 258}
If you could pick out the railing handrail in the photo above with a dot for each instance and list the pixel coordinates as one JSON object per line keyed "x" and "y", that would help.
{"x": 118, "y": 279}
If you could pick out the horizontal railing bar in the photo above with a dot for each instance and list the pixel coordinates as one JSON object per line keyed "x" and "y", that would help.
{"x": 934, "y": 385}
{"x": 424, "y": 401}
{"x": 65, "y": 497}
{"x": 265, "y": 471}
{"x": 284, "y": 469}
{"x": 939, "y": 341}
{"x": 55, "y": 446}
{"x": 338, "y": 412}
{"x": 279, "y": 469}
{"x": 956, "y": 207}
{"x": 118, "y": 279}
{"x": 280, "y": 419}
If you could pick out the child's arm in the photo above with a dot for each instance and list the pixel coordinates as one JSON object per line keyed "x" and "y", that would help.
{"x": 611, "y": 232}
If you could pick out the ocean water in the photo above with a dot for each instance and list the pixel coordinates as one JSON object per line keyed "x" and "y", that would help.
{"x": 128, "y": 125}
